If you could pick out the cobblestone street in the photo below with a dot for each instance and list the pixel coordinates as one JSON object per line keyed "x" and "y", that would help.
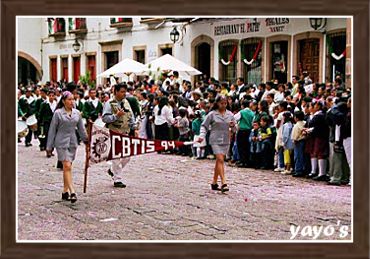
{"x": 168, "y": 197}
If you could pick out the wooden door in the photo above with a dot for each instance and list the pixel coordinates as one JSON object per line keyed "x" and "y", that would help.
{"x": 309, "y": 54}
{"x": 53, "y": 69}
{"x": 76, "y": 69}
{"x": 64, "y": 68}
{"x": 91, "y": 66}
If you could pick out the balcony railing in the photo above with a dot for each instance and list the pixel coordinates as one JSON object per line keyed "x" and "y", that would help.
{"x": 120, "y": 22}
{"x": 56, "y": 27}
{"x": 151, "y": 20}
{"x": 77, "y": 25}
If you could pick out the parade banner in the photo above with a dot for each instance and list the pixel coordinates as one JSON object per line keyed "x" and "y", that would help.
{"x": 107, "y": 145}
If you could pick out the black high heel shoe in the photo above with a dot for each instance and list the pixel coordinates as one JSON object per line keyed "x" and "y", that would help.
{"x": 224, "y": 188}
{"x": 215, "y": 187}
{"x": 65, "y": 196}
{"x": 73, "y": 198}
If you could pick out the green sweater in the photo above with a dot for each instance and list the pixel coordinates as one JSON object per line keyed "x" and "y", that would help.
{"x": 196, "y": 126}
{"x": 246, "y": 119}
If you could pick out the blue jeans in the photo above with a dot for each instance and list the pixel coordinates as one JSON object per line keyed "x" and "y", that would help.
{"x": 299, "y": 156}
{"x": 281, "y": 157}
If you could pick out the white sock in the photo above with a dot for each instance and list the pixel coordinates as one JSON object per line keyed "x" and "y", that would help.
{"x": 202, "y": 150}
{"x": 322, "y": 167}
{"x": 313, "y": 165}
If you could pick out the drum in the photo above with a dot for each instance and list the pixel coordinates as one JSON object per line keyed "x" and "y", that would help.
{"x": 32, "y": 122}
{"x": 22, "y": 129}
{"x": 99, "y": 122}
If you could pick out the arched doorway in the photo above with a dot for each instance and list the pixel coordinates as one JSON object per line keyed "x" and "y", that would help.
{"x": 203, "y": 58}
{"x": 28, "y": 69}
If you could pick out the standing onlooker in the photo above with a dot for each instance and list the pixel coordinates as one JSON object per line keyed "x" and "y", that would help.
{"x": 244, "y": 119}
{"x": 198, "y": 148}
{"x": 287, "y": 142}
{"x": 184, "y": 130}
{"x": 298, "y": 142}
{"x": 255, "y": 146}
{"x": 163, "y": 118}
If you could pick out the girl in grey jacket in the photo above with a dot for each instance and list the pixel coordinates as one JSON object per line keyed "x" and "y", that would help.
{"x": 220, "y": 122}
{"x": 62, "y": 136}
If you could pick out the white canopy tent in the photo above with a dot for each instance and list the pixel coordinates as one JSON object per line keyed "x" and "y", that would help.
{"x": 168, "y": 63}
{"x": 125, "y": 68}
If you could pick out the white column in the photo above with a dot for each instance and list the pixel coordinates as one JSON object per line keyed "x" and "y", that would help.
{"x": 324, "y": 59}
{"x": 83, "y": 61}
{"x": 216, "y": 60}
{"x": 291, "y": 57}
{"x": 59, "y": 67}
{"x": 70, "y": 68}
{"x": 265, "y": 62}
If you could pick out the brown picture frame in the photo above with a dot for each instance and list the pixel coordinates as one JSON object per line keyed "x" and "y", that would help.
{"x": 358, "y": 249}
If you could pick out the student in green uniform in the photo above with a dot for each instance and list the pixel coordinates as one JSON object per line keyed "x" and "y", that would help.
{"x": 46, "y": 113}
{"x": 27, "y": 105}
{"x": 93, "y": 108}
{"x": 43, "y": 98}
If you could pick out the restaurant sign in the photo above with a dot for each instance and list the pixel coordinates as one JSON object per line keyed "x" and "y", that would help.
{"x": 268, "y": 25}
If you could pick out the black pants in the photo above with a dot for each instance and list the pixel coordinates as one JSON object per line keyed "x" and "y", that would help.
{"x": 185, "y": 150}
{"x": 255, "y": 160}
{"x": 43, "y": 141}
{"x": 267, "y": 155}
{"x": 242, "y": 138}
{"x": 162, "y": 132}
{"x": 29, "y": 136}
{"x": 148, "y": 128}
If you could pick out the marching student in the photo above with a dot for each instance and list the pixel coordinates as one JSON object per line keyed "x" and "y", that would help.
{"x": 118, "y": 116}
{"x": 62, "y": 137}
{"x": 47, "y": 110}
{"x": 27, "y": 104}
{"x": 219, "y": 122}
{"x": 42, "y": 98}
{"x": 93, "y": 108}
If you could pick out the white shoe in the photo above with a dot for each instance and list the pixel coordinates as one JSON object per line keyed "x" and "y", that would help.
{"x": 278, "y": 169}
{"x": 286, "y": 172}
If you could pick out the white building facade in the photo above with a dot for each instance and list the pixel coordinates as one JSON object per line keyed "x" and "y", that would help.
{"x": 257, "y": 49}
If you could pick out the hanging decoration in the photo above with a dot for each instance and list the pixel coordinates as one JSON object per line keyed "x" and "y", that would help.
{"x": 255, "y": 55}
{"x": 331, "y": 51}
{"x": 231, "y": 57}
{"x": 340, "y": 56}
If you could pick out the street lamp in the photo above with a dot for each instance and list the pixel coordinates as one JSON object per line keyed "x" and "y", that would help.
{"x": 76, "y": 46}
{"x": 317, "y": 23}
{"x": 174, "y": 35}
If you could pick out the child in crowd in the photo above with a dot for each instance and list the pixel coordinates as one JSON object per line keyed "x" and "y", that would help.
{"x": 298, "y": 142}
{"x": 255, "y": 146}
{"x": 287, "y": 142}
{"x": 183, "y": 126}
{"x": 198, "y": 148}
{"x": 268, "y": 135}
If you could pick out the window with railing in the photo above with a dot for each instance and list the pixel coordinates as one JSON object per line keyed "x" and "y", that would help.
{"x": 228, "y": 60}
{"x": 335, "y": 55}
{"x": 251, "y": 57}
{"x": 77, "y": 25}
{"x": 56, "y": 26}
{"x": 120, "y": 22}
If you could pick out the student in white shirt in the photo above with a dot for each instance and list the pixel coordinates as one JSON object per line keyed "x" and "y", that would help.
{"x": 163, "y": 118}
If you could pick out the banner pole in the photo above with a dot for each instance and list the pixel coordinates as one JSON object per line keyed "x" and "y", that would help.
{"x": 88, "y": 147}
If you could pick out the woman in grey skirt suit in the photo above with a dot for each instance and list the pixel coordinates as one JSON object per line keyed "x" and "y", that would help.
{"x": 62, "y": 136}
{"x": 221, "y": 123}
